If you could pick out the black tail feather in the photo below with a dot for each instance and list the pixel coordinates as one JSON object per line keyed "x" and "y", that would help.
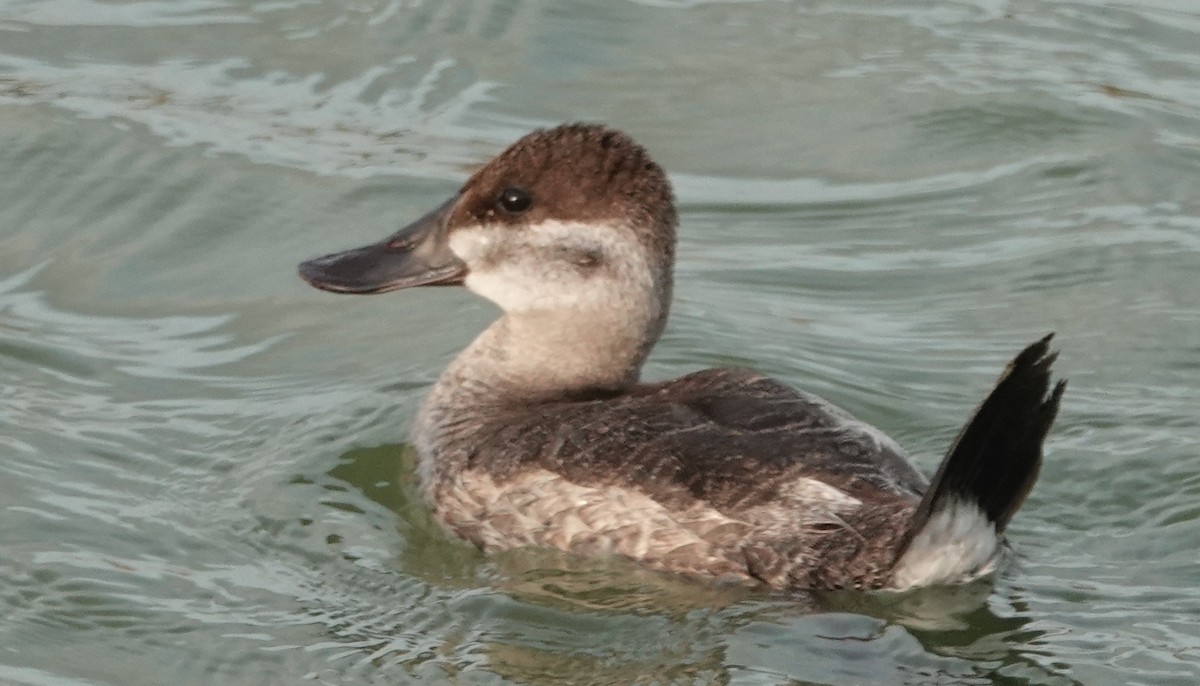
{"x": 996, "y": 457}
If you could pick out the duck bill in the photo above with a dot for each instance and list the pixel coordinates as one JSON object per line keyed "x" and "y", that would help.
{"x": 417, "y": 255}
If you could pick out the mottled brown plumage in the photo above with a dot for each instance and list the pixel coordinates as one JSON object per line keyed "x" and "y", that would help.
{"x": 540, "y": 433}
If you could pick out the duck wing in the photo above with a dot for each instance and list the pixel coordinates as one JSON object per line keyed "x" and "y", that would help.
{"x": 728, "y": 438}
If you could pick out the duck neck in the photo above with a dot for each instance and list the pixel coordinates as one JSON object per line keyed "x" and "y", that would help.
{"x": 543, "y": 356}
{"x": 522, "y": 360}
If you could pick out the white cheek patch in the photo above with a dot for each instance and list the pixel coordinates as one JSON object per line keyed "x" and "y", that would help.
{"x": 472, "y": 244}
{"x": 537, "y": 267}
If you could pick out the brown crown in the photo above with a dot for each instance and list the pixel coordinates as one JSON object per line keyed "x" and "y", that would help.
{"x": 576, "y": 172}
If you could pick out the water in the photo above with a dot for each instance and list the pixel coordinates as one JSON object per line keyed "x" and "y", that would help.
{"x": 203, "y": 474}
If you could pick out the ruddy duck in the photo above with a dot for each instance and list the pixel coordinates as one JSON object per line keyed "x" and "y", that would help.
{"x": 541, "y": 434}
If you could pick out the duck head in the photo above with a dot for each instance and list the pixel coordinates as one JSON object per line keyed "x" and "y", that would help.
{"x": 574, "y": 225}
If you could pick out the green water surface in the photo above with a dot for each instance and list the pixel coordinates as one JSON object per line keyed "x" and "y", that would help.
{"x": 204, "y": 476}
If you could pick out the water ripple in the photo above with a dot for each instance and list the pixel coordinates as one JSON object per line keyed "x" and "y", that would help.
{"x": 203, "y": 474}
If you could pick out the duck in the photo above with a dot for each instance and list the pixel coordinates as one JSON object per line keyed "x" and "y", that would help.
{"x": 542, "y": 433}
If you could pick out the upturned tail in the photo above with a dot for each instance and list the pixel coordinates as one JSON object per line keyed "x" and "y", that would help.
{"x": 954, "y": 534}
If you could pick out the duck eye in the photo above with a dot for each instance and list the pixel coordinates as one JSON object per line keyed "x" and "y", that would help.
{"x": 515, "y": 200}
